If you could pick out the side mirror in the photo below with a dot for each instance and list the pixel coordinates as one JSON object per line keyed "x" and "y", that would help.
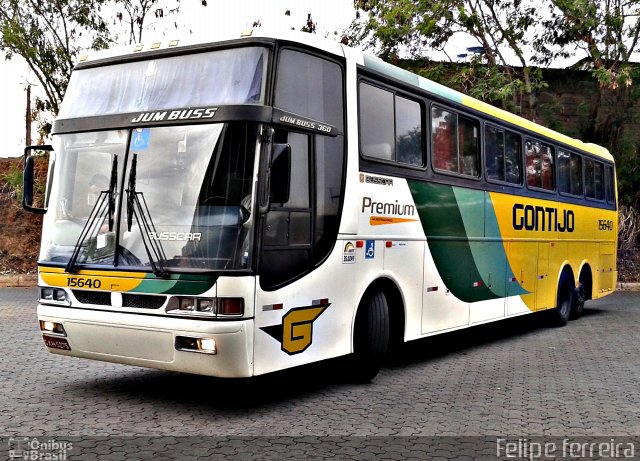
{"x": 280, "y": 180}
{"x": 34, "y": 179}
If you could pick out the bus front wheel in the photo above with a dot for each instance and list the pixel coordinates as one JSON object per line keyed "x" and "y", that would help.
{"x": 371, "y": 337}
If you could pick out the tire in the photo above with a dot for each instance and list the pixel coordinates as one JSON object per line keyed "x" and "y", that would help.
{"x": 371, "y": 337}
{"x": 561, "y": 313}
{"x": 579, "y": 297}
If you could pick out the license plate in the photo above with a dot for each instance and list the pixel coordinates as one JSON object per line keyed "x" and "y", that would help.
{"x": 56, "y": 343}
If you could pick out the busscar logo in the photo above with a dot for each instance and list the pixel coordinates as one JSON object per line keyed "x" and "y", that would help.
{"x": 175, "y": 236}
{"x": 295, "y": 333}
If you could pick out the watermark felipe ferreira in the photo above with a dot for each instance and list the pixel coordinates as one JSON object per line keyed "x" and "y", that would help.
{"x": 559, "y": 448}
{"x": 38, "y": 449}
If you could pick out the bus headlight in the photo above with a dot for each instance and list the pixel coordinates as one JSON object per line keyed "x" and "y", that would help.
{"x": 53, "y": 295}
{"x": 206, "y": 306}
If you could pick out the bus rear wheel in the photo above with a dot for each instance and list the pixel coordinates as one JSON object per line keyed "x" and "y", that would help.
{"x": 560, "y": 315}
{"x": 579, "y": 297}
{"x": 371, "y": 337}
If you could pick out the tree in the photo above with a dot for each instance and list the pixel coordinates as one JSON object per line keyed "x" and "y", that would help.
{"x": 501, "y": 28}
{"x": 135, "y": 13}
{"x": 50, "y": 36}
{"x": 606, "y": 32}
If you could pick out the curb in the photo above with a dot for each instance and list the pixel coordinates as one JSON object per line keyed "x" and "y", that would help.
{"x": 628, "y": 286}
{"x": 18, "y": 281}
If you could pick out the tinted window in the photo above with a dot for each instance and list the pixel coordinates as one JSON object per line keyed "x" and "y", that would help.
{"x": 310, "y": 86}
{"x": 390, "y": 126}
{"x": 454, "y": 142}
{"x": 408, "y": 132}
{"x": 376, "y": 122}
{"x": 593, "y": 179}
{"x": 502, "y": 155}
{"x": 610, "y": 187}
{"x": 569, "y": 173}
{"x": 540, "y": 165}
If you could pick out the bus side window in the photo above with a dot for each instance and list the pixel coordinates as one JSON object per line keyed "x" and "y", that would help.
{"x": 540, "y": 165}
{"x": 494, "y": 152}
{"x": 376, "y": 123}
{"x": 594, "y": 179}
{"x": 569, "y": 173}
{"x": 455, "y": 142}
{"x": 443, "y": 139}
{"x": 390, "y": 126}
{"x": 468, "y": 146}
{"x": 609, "y": 185}
{"x": 408, "y": 132}
{"x": 513, "y": 158}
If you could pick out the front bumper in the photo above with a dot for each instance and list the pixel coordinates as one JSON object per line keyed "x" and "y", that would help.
{"x": 150, "y": 340}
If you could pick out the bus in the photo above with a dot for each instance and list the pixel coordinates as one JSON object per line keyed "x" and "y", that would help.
{"x": 244, "y": 206}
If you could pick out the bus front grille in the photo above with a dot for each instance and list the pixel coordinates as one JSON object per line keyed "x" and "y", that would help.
{"x": 143, "y": 301}
{"x": 102, "y": 298}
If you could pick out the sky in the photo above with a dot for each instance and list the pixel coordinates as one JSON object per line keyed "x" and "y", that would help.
{"x": 217, "y": 18}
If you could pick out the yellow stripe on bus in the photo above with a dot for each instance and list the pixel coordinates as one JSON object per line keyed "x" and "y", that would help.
{"x": 529, "y": 125}
{"x": 91, "y": 279}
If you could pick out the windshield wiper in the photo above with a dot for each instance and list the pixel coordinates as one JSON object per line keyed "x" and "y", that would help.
{"x": 137, "y": 206}
{"x": 105, "y": 205}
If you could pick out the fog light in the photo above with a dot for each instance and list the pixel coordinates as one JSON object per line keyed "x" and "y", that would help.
{"x": 198, "y": 345}
{"x": 52, "y": 327}
{"x": 207, "y": 345}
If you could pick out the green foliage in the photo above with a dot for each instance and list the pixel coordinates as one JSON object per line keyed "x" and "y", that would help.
{"x": 12, "y": 182}
{"x": 628, "y": 172}
{"x": 414, "y": 27}
{"x": 51, "y": 35}
{"x": 608, "y": 32}
{"x": 48, "y": 36}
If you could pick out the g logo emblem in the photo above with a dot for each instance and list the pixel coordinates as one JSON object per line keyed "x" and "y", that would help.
{"x": 295, "y": 334}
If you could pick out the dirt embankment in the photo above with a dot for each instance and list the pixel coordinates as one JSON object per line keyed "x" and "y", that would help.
{"x": 19, "y": 230}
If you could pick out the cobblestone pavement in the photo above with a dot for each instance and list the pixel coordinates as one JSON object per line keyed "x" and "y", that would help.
{"x": 451, "y": 396}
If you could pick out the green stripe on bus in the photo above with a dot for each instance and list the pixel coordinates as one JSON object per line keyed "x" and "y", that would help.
{"x": 176, "y": 284}
{"x": 453, "y": 219}
{"x": 379, "y": 65}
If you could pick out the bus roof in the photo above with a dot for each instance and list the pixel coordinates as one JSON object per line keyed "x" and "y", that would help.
{"x": 371, "y": 62}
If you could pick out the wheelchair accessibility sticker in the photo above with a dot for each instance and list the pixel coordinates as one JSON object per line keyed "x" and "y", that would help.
{"x": 140, "y": 139}
{"x": 369, "y": 249}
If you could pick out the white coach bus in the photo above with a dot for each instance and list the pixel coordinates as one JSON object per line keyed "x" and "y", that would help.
{"x": 245, "y": 206}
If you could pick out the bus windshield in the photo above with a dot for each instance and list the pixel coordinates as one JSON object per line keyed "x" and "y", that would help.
{"x": 204, "y": 79}
{"x": 182, "y": 198}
